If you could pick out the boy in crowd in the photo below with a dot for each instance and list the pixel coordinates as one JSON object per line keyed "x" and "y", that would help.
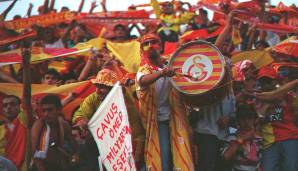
{"x": 243, "y": 149}
{"x": 51, "y": 77}
{"x": 49, "y": 134}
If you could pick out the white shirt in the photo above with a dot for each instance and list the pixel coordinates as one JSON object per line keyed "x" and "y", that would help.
{"x": 163, "y": 87}
{"x": 210, "y": 114}
{"x": 272, "y": 38}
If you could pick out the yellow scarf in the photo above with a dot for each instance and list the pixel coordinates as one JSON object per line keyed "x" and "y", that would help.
{"x": 179, "y": 128}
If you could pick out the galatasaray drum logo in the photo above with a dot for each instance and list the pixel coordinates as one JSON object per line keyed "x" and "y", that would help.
{"x": 199, "y": 67}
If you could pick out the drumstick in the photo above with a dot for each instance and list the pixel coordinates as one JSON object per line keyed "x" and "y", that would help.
{"x": 185, "y": 75}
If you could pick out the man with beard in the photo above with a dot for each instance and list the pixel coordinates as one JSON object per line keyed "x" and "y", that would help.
{"x": 163, "y": 116}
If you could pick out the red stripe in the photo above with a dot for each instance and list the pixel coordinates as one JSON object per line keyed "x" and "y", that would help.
{"x": 216, "y": 62}
{"x": 195, "y": 87}
{"x": 147, "y": 153}
{"x": 180, "y": 63}
{"x": 177, "y": 115}
{"x": 182, "y": 79}
{"x": 212, "y": 78}
{"x": 179, "y": 152}
{"x": 185, "y": 126}
{"x": 200, "y": 46}
{"x": 154, "y": 144}
{"x": 153, "y": 165}
{"x": 188, "y": 150}
{"x": 217, "y": 69}
{"x": 208, "y": 54}
{"x": 150, "y": 155}
{"x": 10, "y": 57}
{"x": 59, "y": 51}
{"x": 186, "y": 147}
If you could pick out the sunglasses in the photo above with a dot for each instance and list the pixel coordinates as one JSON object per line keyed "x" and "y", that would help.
{"x": 150, "y": 42}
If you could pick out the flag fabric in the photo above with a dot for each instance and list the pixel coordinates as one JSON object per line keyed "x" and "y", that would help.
{"x": 236, "y": 37}
{"x": 12, "y": 39}
{"x": 37, "y": 54}
{"x": 289, "y": 48}
{"x": 41, "y": 20}
{"x": 127, "y": 53}
{"x": 201, "y": 34}
{"x": 110, "y": 129}
{"x": 81, "y": 89}
{"x": 259, "y": 58}
{"x": 170, "y": 48}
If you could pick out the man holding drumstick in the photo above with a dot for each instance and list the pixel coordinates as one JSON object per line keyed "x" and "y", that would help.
{"x": 167, "y": 144}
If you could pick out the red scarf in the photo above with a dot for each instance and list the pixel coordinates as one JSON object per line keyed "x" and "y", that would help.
{"x": 16, "y": 143}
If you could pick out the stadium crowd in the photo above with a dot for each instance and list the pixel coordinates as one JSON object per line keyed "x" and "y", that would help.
{"x": 250, "y": 125}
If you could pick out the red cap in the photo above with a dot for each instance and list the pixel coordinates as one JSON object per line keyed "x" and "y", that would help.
{"x": 149, "y": 36}
{"x": 267, "y": 71}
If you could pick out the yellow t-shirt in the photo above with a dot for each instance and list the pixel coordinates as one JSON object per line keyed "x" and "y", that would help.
{"x": 87, "y": 108}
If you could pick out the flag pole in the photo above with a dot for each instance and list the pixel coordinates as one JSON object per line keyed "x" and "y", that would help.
{"x": 26, "y": 99}
{"x": 26, "y": 57}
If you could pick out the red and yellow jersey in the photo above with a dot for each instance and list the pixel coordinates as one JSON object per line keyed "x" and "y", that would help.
{"x": 170, "y": 22}
{"x": 280, "y": 122}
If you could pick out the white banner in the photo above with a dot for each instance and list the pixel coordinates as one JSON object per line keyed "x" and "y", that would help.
{"x": 110, "y": 129}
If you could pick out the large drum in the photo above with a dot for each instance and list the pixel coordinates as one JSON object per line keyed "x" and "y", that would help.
{"x": 200, "y": 69}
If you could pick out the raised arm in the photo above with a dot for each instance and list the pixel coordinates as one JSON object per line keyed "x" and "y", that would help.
{"x": 148, "y": 79}
{"x": 46, "y": 6}
{"x": 252, "y": 35}
{"x": 7, "y": 78}
{"x": 90, "y": 64}
{"x": 103, "y": 6}
{"x": 226, "y": 31}
{"x": 52, "y": 5}
{"x": 66, "y": 34}
{"x": 156, "y": 8}
{"x": 5, "y": 12}
{"x": 93, "y": 5}
{"x": 278, "y": 93}
{"x": 29, "y": 10}
{"x": 81, "y": 6}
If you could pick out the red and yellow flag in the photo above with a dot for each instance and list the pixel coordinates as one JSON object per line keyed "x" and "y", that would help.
{"x": 80, "y": 89}
{"x": 258, "y": 57}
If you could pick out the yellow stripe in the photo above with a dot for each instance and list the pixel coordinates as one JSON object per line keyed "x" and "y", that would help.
{"x": 182, "y": 59}
{"x": 43, "y": 140}
{"x": 193, "y": 84}
{"x": 197, "y": 92}
{"x": 197, "y": 50}
{"x": 267, "y": 134}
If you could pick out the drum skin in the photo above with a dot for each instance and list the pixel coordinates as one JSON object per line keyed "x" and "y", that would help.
{"x": 200, "y": 69}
